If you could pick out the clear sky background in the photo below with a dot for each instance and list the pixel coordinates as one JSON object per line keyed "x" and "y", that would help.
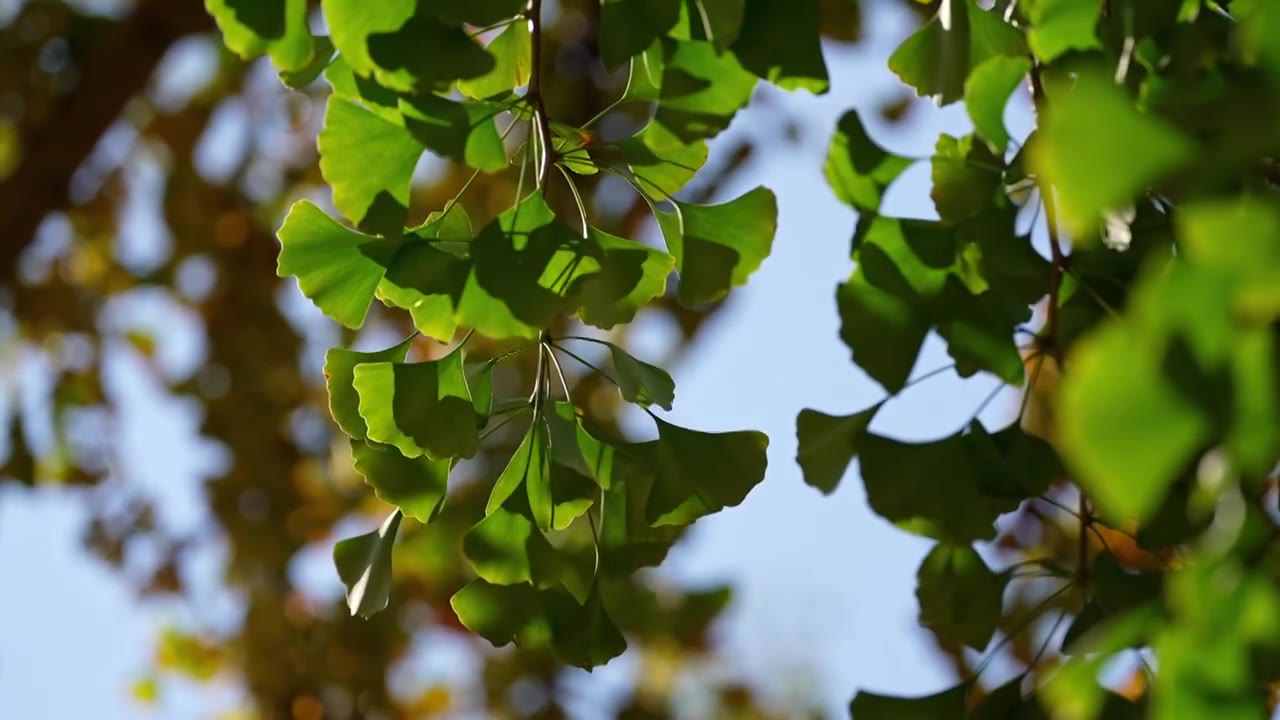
{"x": 824, "y": 600}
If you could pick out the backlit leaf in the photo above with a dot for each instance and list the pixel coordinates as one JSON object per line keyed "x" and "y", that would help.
{"x": 779, "y": 42}
{"x": 859, "y": 170}
{"x": 629, "y": 27}
{"x": 701, "y": 90}
{"x": 337, "y": 269}
{"x": 511, "y": 50}
{"x": 938, "y": 58}
{"x": 1058, "y": 26}
{"x": 339, "y": 374}
{"x": 415, "y": 485}
{"x": 507, "y": 548}
{"x": 369, "y": 162}
{"x": 275, "y": 27}
{"x": 529, "y": 466}
{"x": 717, "y": 247}
{"x": 699, "y": 473}
{"x": 986, "y": 93}
{"x": 421, "y": 408}
{"x": 364, "y": 564}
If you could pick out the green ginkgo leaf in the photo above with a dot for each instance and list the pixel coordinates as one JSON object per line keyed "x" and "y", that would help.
{"x": 507, "y": 548}
{"x": 628, "y": 541}
{"x": 275, "y": 27}
{"x": 339, "y": 375}
{"x": 421, "y": 408}
{"x": 462, "y": 131}
{"x": 960, "y": 597}
{"x": 321, "y": 56}
{"x": 699, "y": 473}
{"x": 403, "y": 44}
{"x": 779, "y": 42}
{"x": 702, "y": 89}
{"x": 715, "y": 21}
{"x": 828, "y": 443}
{"x": 427, "y": 277}
{"x": 967, "y": 178}
{"x": 364, "y": 565}
{"x": 661, "y": 163}
{"x": 573, "y": 447}
{"x": 986, "y": 93}
{"x": 369, "y": 162}
{"x": 627, "y": 276}
{"x": 511, "y": 50}
{"x": 938, "y": 58}
{"x": 629, "y": 27}
{"x": 338, "y": 269}
{"x": 717, "y": 247}
{"x": 416, "y": 485}
{"x": 497, "y": 613}
{"x": 1058, "y": 26}
{"x": 529, "y": 464}
{"x": 638, "y": 381}
{"x": 857, "y": 169}
{"x": 946, "y": 705}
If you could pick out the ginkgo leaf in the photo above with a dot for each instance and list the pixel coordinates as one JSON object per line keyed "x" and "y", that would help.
{"x": 967, "y": 177}
{"x": 416, "y": 485}
{"x": 639, "y": 382}
{"x": 321, "y": 56}
{"x": 960, "y": 597}
{"x": 717, "y": 247}
{"x": 779, "y": 42}
{"x": 337, "y": 269}
{"x": 629, "y": 27}
{"x": 364, "y": 565}
{"x": 275, "y": 27}
{"x": 507, "y": 548}
{"x": 627, "y": 540}
{"x": 584, "y": 635}
{"x": 699, "y": 473}
{"x": 573, "y": 447}
{"x": 421, "y": 408}
{"x": 530, "y": 464}
{"x": 662, "y": 163}
{"x": 930, "y": 489}
{"x": 1080, "y": 138}
{"x": 857, "y": 169}
{"x": 701, "y": 90}
{"x": 828, "y": 443}
{"x": 629, "y": 275}
{"x": 464, "y": 132}
{"x": 938, "y": 58}
{"x": 715, "y": 21}
{"x": 1058, "y": 26}
{"x": 511, "y": 50}
{"x": 403, "y": 45}
{"x": 427, "y": 277}
{"x": 339, "y": 375}
{"x": 948, "y": 704}
{"x": 369, "y": 162}
{"x": 986, "y": 93}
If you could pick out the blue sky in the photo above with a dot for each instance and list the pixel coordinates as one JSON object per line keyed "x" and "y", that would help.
{"x": 824, "y": 601}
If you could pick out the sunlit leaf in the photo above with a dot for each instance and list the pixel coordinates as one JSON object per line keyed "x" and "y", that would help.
{"x": 779, "y": 42}
{"x": 717, "y": 247}
{"x": 511, "y": 51}
{"x": 415, "y": 485}
{"x": 661, "y": 162}
{"x": 337, "y": 269}
{"x": 629, "y": 27}
{"x": 1058, "y": 26}
{"x": 1083, "y": 135}
{"x": 699, "y": 473}
{"x": 986, "y": 93}
{"x": 421, "y": 408}
{"x": 364, "y": 564}
{"x": 464, "y": 132}
{"x": 339, "y": 374}
{"x": 966, "y": 177}
{"x": 403, "y": 45}
{"x": 701, "y": 90}
{"x": 427, "y": 277}
{"x": 859, "y": 170}
{"x": 321, "y": 56}
{"x": 507, "y": 548}
{"x": 639, "y": 382}
{"x": 369, "y": 162}
{"x": 938, "y": 58}
{"x": 629, "y": 275}
{"x": 275, "y": 27}
{"x": 529, "y": 466}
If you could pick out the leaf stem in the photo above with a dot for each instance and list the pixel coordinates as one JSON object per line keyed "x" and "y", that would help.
{"x": 560, "y": 373}
{"x": 577, "y": 198}
{"x": 1031, "y": 618}
{"x": 575, "y": 356}
{"x": 542, "y": 123}
{"x": 509, "y": 417}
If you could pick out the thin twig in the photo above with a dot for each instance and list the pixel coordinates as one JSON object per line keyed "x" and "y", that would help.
{"x": 555, "y": 362}
{"x": 542, "y": 123}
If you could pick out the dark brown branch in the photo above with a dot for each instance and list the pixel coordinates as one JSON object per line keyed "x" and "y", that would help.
{"x": 114, "y": 70}
{"x": 542, "y": 123}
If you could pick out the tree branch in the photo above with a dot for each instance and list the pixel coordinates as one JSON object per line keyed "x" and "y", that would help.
{"x": 541, "y": 122}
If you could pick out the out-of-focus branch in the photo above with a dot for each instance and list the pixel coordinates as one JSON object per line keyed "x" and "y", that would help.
{"x": 115, "y": 69}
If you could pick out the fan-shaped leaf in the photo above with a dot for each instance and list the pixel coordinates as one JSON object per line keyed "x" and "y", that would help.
{"x": 364, "y": 564}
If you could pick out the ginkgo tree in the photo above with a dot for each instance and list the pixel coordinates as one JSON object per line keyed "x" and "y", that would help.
{"x": 1129, "y": 248}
